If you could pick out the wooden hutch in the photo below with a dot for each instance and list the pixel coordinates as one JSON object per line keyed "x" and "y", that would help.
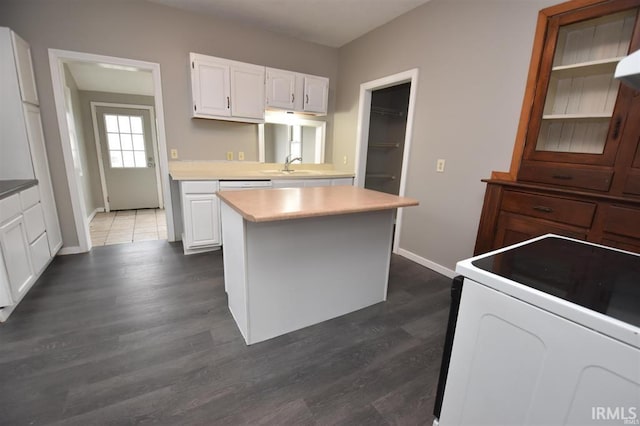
{"x": 575, "y": 169}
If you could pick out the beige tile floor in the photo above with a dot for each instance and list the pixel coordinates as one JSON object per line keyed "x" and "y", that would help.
{"x": 126, "y": 226}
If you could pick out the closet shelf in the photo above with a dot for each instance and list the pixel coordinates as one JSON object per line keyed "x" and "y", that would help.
{"x": 387, "y": 111}
{"x": 384, "y": 145}
{"x": 380, "y": 176}
{"x": 603, "y": 115}
{"x": 589, "y": 64}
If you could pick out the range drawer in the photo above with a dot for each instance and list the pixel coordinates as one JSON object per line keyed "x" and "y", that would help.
{"x": 587, "y": 178}
{"x": 623, "y": 221}
{"x": 577, "y": 213}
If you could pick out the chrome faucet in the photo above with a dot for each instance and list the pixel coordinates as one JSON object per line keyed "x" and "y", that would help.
{"x": 288, "y": 161}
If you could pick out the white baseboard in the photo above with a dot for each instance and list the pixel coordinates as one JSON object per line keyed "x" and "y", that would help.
{"x": 71, "y": 250}
{"x": 427, "y": 263}
{"x": 93, "y": 214}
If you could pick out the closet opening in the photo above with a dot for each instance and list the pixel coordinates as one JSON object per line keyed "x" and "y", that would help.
{"x": 387, "y": 131}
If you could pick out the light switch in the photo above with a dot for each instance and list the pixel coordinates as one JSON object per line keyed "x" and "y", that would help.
{"x": 440, "y": 166}
{"x": 230, "y": 155}
{"x": 241, "y": 155}
{"x": 174, "y": 154}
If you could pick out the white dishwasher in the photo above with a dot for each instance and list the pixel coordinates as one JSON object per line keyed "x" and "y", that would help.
{"x": 236, "y": 185}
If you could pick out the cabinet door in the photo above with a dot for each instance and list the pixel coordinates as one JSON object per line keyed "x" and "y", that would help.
{"x": 210, "y": 84}
{"x": 579, "y": 109}
{"x": 316, "y": 91}
{"x": 5, "y": 289}
{"x": 247, "y": 91}
{"x": 17, "y": 257}
{"x": 201, "y": 220}
{"x": 22, "y": 53}
{"x": 281, "y": 89}
{"x": 41, "y": 168}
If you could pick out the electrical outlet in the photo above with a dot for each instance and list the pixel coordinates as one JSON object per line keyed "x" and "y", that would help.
{"x": 174, "y": 154}
{"x": 440, "y": 166}
{"x": 344, "y": 160}
{"x": 230, "y": 155}
{"x": 241, "y": 155}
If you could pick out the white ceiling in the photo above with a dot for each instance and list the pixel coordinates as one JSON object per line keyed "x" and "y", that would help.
{"x": 331, "y": 23}
{"x": 112, "y": 79}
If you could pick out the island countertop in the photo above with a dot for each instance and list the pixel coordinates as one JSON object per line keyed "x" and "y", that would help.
{"x": 266, "y": 205}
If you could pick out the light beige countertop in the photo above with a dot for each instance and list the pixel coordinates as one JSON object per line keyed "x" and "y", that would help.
{"x": 266, "y": 205}
{"x": 246, "y": 170}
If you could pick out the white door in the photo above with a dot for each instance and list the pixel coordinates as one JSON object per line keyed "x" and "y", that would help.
{"x": 17, "y": 257}
{"x": 128, "y": 158}
{"x": 211, "y": 88}
{"x": 247, "y": 91}
{"x": 281, "y": 88}
{"x": 316, "y": 91}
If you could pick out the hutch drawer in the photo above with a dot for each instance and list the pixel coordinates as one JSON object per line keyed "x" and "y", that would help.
{"x": 572, "y": 212}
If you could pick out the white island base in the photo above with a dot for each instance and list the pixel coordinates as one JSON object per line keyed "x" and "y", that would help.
{"x": 285, "y": 275}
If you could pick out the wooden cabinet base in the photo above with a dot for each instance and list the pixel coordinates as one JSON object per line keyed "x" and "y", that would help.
{"x": 514, "y": 212}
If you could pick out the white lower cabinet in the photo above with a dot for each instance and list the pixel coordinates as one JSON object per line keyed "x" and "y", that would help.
{"x": 200, "y": 216}
{"x": 5, "y": 292}
{"x": 17, "y": 256}
{"x": 24, "y": 244}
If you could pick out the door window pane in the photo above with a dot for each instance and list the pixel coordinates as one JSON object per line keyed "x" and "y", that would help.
{"x": 136, "y": 125}
{"x": 125, "y": 140}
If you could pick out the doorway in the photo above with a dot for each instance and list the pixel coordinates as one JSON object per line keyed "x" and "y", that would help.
{"x": 127, "y": 156}
{"x": 74, "y": 173}
{"x": 387, "y": 130}
{"x": 365, "y": 126}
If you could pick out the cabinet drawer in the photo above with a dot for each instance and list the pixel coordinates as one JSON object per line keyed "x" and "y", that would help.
{"x": 34, "y": 222}
{"x": 29, "y": 197}
{"x": 9, "y": 207}
{"x": 632, "y": 185}
{"x": 562, "y": 210}
{"x": 623, "y": 221}
{"x": 587, "y": 178}
{"x": 200, "y": 187}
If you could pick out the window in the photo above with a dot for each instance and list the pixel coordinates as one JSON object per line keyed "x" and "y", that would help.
{"x": 125, "y": 140}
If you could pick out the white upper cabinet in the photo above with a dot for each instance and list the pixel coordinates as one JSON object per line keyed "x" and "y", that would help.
{"x": 226, "y": 90}
{"x": 281, "y": 88}
{"x": 22, "y": 53}
{"x": 247, "y": 91}
{"x": 293, "y": 91}
{"x": 316, "y": 93}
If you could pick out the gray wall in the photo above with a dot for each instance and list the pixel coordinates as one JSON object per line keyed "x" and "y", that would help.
{"x": 473, "y": 59}
{"x": 137, "y": 29}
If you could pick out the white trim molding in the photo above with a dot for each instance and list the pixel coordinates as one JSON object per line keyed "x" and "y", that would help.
{"x": 57, "y": 59}
{"x": 94, "y": 213}
{"x": 427, "y": 263}
{"x": 362, "y": 135}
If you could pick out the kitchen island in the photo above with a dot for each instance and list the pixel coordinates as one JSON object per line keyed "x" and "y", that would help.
{"x": 294, "y": 257}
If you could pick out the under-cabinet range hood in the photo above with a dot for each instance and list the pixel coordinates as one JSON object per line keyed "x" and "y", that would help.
{"x": 628, "y": 70}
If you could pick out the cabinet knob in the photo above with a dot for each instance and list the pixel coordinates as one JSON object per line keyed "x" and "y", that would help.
{"x": 293, "y": 97}
{"x": 228, "y": 103}
{"x": 307, "y": 98}
{"x": 562, "y": 177}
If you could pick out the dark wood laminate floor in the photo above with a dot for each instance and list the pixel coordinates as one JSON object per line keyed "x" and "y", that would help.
{"x": 140, "y": 333}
